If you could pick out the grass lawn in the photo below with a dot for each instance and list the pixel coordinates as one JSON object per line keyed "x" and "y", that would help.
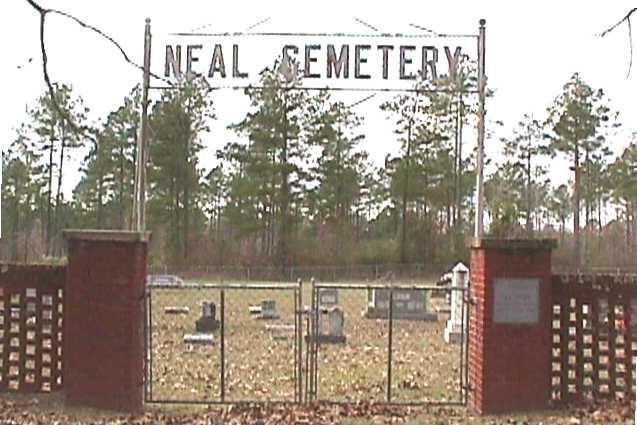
{"x": 260, "y": 364}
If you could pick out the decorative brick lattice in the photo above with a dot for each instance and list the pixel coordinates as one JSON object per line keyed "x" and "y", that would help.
{"x": 594, "y": 327}
{"x": 31, "y": 314}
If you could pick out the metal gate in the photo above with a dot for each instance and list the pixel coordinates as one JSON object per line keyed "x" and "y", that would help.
{"x": 382, "y": 353}
{"x": 237, "y": 357}
{"x": 391, "y": 349}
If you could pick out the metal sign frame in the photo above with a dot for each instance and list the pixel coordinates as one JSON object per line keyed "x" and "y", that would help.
{"x": 139, "y": 197}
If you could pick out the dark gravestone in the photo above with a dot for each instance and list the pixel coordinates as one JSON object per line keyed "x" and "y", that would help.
{"x": 331, "y": 323}
{"x": 328, "y": 297}
{"x": 268, "y": 310}
{"x": 409, "y": 304}
{"x": 208, "y": 322}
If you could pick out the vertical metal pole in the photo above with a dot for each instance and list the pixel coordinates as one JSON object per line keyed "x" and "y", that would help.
{"x": 139, "y": 197}
{"x": 462, "y": 341}
{"x": 315, "y": 342}
{"x": 466, "y": 338}
{"x": 146, "y": 354}
{"x": 390, "y": 342}
{"x": 312, "y": 339}
{"x": 299, "y": 336}
{"x": 150, "y": 341}
{"x": 307, "y": 361}
{"x": 479, "y": 224}
{"x": 296, "y": 347}
{"x": 222, "y": 345}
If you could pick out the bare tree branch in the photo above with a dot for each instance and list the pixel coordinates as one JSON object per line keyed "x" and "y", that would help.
{"x": 630, "y": 35}
{"x": 625, "y": 18}
{"x": 43, "y": 12}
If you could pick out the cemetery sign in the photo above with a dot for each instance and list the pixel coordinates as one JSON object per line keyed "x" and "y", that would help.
{"x": 323, "y": 60}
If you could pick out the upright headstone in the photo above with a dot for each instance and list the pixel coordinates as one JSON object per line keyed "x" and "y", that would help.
{"x": 459, "y": 279}
{"x": 208, "y": 322}
{"x": 328, "y": 297}
{"x": 409, "y": 304}
{"x": 268, "y": 310}
{"x": 331, "y": 325}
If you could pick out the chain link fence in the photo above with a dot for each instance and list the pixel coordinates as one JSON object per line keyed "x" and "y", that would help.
{"x": 214, "y": 343}
{"x": 334, "y": 273}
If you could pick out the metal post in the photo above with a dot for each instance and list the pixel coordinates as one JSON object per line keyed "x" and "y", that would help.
{"x": 479, "y": 224}
{"x": 463, "y": 338}
{"x": 312, "y": 340}
{"x": 139, "y": 197}
{"x": 390, "y": 342}
{"x": 150, "y": 343}
{"x": 146, "y": 356}
{"x": 222, "y": 345}
{"x": 315, "y": 342}
{"x": 296, "y": 347}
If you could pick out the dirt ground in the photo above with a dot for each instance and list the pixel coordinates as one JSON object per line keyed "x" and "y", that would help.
{"x": 50, "y": 409}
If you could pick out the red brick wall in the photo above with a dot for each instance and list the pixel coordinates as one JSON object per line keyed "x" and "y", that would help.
{"x": 509, "y": 364}
{"x": 104, "y": 344}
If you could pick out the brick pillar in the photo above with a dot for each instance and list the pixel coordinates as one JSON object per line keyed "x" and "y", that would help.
{"x": 104, "y": 319}
{"x": 510, "y": 325}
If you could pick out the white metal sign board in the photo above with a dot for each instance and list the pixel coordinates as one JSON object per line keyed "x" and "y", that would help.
{"x": 516, "y": 301}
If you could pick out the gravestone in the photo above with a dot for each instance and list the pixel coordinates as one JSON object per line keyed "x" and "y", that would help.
{"x": 268, "y": 310}
{"x": 208, "y": 322}
{"x": 409, "y": 304}
{"x": 453, "y": 330}
{"x": 164, "y": 280}
{"x": 331, "y": 326}
{"x": 176, "y": 310}
{"x": 281, "y": 332}
{"x": 327, "y": 297}
{"x": 199, "y": 339}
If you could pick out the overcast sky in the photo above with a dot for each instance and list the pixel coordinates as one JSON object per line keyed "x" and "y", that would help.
{"x": 532, "y": 49}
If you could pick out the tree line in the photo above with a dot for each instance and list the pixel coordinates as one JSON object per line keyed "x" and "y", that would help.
{"x": 300, "y": 189}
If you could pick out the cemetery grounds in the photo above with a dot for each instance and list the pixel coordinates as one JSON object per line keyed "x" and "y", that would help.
{"x": 260, "y": 364}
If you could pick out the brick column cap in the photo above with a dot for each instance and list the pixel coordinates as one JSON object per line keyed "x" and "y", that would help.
{"x": 514, "y": 244}
{"x": 106, "y": 235}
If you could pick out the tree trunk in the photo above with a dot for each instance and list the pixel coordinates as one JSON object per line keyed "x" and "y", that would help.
{"x": 529, "y": 222}
{"x": 576, "y": 211}
{"x": 58, "y": 195}
{"x": 403, "y": 231}
{"x": 285, "y": 197}
{"x": 49, "y": 195}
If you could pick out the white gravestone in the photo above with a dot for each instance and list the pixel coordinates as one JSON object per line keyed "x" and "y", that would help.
{"x": 453, "y": 331}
